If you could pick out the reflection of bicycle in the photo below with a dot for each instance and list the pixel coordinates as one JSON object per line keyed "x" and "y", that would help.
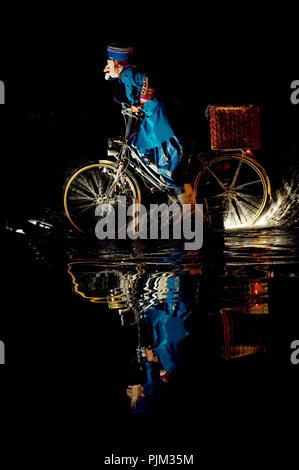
{"x": 232, "y": 186}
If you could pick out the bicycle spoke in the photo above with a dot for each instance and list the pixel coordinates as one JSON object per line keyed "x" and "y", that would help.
{"x": 83, "y": 187}
{"x": 236, "y": 174}
{"x": 230, "y": 212}
{"x": 97, "y": 180}
{"x": 247, "y": 200}
{"x": 86, "y": 207}
{"x": 212, "y": 173}
{"x": 253, "y": 211}
{"x": 219, "y": 195}
{"x": 235, "y": 206}
{"x": 88, "y": 188}
{"x": 88, "y": 185}
{"x": 244, "y": 194}
{"x": 244, "y": 210}
{"x": 79, "y": 194}
{"x": 248, "y": 184}
{"x": 250, "y": 197}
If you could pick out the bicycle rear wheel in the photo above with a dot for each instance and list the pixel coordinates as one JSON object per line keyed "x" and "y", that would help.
{"x": 233, "y": 190}
{"x": 86, "y": 189}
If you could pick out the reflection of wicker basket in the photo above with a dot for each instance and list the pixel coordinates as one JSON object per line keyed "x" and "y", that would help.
{"x": 235, "y": 127}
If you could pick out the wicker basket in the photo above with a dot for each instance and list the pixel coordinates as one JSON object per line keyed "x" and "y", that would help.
{"x": 235, "y": 127}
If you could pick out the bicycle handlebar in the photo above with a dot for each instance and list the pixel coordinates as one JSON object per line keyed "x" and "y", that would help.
{"x": 126, "y": 110}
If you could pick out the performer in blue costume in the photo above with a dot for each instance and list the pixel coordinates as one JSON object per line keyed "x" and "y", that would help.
{"x": 156, "y": 139}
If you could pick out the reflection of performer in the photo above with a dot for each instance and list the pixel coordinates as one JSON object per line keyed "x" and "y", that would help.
{"x": 168, "y": 322}
{"x": 153, "y": 303}
{"x": 142, "y": 395}
{"x": 169, "y": 331}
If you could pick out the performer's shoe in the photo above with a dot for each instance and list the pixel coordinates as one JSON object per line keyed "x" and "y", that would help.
{"x": 188, "y": 196}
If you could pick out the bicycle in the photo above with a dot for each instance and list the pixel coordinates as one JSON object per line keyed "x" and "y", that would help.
{"x": 231, "y": 184}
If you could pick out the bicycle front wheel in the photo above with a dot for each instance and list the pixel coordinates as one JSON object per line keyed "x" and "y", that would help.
{"x": 89, "y": 187}
{"x": 233, "y": 190}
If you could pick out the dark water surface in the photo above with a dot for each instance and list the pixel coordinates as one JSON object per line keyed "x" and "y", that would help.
{"x": 79, "y": 314}
{"x": 221, "y": 319}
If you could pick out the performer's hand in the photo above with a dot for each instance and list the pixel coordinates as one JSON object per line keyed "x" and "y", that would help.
{"x": 136, "y": 390}
{"x": 149, "y": 355}
{"x": 136, "y": 109}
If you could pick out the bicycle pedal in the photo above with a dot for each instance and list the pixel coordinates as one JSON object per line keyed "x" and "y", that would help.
{"x": 112, "y": 152}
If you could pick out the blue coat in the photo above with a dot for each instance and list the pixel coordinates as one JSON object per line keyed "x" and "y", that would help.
{"x": 155, "y": 127}
{"x": 168, "y": 322}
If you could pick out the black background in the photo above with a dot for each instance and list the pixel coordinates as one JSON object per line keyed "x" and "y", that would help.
{"x": 59, "y": 110}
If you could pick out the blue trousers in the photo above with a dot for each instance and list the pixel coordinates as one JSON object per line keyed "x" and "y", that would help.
{"x": 166, "y": 157}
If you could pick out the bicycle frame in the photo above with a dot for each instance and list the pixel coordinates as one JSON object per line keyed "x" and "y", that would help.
{"x": 136, "y": 163}
{"x": 229, "y": 171}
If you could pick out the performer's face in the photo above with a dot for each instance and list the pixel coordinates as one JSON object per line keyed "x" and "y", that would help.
{"x": 113, "y": 68}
